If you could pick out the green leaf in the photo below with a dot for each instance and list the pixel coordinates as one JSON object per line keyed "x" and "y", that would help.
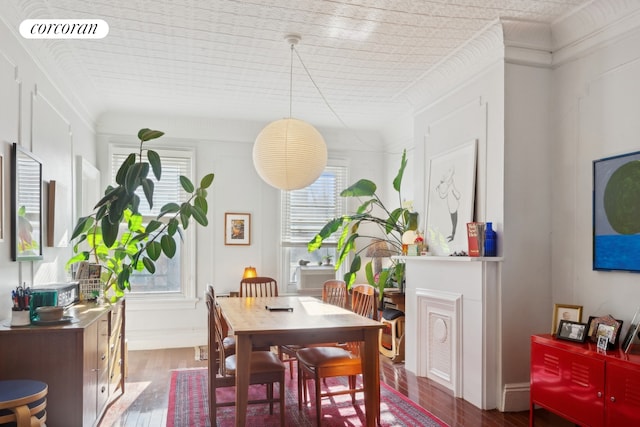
{"x": 187, "y": 184}
{"x": 397, "y": 181}
{"x": 124, "y": 168}
{"x": 172, "y": 227}
{"x": 148, "y": 134}
{"x": 199, "y": 216}
{"x": 109, "y": 196}
{"x": 147, "y": 187}
{"x": 82, "y": 256}
{"x": 206, "y": 180}
{"x": 201, "y": 203}
{"x": 154, "y": 250}
{"x": 153, "y": 226}
{"x": 149, "y": 265}
{"x": 135, "y": 175}
{"x": 364, "y": 187}
{"x": 109, "y": 231}
{"x": 156, "y": 164}
{"x": 84, "y": 223}
{"x": 168, "y": 246}
{"x": 184, "y": 218}
{"x": 169, "y": 208}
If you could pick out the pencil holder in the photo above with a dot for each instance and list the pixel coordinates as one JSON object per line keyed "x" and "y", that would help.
{"x": 20, "y": 318}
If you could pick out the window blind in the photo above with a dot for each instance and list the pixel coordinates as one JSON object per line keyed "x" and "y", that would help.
{"x": 306, "y": 211}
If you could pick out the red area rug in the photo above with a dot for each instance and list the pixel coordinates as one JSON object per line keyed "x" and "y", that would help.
{"x": 188, "y": 406}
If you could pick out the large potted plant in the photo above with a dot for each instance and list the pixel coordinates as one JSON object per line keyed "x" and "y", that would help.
{"x": 114, "y": 234}
{"x": 391, "y": 225}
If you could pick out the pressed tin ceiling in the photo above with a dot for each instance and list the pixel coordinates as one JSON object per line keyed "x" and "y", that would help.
{"x": 229, "y": 58}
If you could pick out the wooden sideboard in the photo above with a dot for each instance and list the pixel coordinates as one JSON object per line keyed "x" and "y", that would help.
{"x": 586, "y": 386}
{"x": 81, "y": 362}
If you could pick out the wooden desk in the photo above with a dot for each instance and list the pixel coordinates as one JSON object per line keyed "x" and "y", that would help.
{"x": 311, "y": 321}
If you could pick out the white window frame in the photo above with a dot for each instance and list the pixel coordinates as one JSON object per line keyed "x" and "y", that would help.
{"x": 285, "y": 262}
{"x": 187, "y": 292}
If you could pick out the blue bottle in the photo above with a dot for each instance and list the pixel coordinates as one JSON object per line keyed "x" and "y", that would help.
{"x": 489, "y": 241}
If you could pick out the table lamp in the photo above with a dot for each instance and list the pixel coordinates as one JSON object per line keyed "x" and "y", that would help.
{"x": 377, "y": 250}
{"x": 249, "y": 272}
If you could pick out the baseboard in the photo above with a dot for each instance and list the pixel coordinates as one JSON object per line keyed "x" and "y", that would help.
{"x": 515, "y": 397}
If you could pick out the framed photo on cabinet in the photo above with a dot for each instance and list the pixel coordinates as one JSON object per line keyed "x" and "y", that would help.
{"x": 237, "y": 228}
{"x": 565, "y": 312}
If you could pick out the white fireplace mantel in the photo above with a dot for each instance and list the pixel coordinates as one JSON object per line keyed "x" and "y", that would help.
{"x": 469, "y": 334}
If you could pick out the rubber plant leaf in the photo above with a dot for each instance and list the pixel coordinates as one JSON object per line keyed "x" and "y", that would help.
{"x": 109, "y": 231}
{"x": 154, "y": 250}
{"x": 124, "y": 168}
{"x": 207, "y": 180}
{"x": 168, "y": 246}
{"x": 149, "y": 134}
{"x": 149, "y": 265}
{"x": 156, "y": 164}
{"x": 147, "y": 187}
{"x": 187, "y": 184}
{"x": 199, "y": 216}
{"x": 84, "y": 223}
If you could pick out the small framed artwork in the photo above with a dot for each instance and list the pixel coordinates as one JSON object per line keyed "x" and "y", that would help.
{"x": 632, "y": 334}
{"x": 237, "y": 228}
{"x": 572, "y": 331}
{"x": 565, "y": 312}
{"x": 615, "y": 326}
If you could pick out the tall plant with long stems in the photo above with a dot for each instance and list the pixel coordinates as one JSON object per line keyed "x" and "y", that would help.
{"x": 392, "y": 224}
{"x": 114, "y": 234}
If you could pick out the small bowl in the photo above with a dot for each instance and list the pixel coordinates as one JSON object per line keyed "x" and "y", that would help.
{"x": 49, "y": 313}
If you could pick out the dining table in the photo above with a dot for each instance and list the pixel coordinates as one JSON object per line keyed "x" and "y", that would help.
{"x": 272, "y": 321}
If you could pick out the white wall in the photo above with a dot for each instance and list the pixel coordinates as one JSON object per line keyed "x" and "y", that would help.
{"x": 596, "y": 110}
{"x": 34, "y": 114}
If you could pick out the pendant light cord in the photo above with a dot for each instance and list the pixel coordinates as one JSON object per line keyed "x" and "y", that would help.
{"x": 293, "y": 49}
{"x": 291, "y": 83}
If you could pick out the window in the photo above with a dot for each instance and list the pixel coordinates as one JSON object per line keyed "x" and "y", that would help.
{"x": 305, "y": 212}
{"x": 172, "y": 274}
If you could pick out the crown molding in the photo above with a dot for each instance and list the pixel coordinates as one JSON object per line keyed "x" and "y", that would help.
{"x": 586, "y": 28}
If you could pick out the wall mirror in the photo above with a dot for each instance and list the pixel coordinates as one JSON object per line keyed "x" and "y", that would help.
{"x": 26, "y": 205}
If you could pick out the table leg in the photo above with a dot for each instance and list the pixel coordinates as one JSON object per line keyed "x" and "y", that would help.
{"x": 371, "y": 377}
{"x": 243, "y": 359}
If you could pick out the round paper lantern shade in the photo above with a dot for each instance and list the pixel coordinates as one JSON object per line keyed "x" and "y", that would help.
{"x": 289, "y": 154}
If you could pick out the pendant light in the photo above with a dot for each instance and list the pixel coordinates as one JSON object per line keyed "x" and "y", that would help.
{"x": 289, "y": 154}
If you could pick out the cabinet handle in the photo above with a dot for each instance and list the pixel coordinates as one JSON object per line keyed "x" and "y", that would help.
{"x": 599, "y": 394}
{"x": 104, "y": 356}
{"x": 613, "y": 398}
{"x": 103, "y": 389}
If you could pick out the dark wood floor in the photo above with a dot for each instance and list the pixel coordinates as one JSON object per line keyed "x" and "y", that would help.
{"x": 145, "y": 402}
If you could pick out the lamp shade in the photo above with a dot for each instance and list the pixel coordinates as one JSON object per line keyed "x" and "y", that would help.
{"x": 289, "y": 154}
{"x": 249, "y": 272}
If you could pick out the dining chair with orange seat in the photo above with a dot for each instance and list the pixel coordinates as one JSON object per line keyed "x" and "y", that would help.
{"x": 265, "y": 368}
{"x": 258, "y": 287}
{"x": 318, "y": 363}
{"x": 333, "y": 292}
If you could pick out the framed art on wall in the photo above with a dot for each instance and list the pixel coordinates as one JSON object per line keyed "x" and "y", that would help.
{"x": 616, "y": 213}
{"x": 450, "y": 198}
{"x": 237, "y": 228}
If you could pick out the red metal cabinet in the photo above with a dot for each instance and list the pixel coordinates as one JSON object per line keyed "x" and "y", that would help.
{"x": 623, "y": 394}
{"x": 583, "y": 385}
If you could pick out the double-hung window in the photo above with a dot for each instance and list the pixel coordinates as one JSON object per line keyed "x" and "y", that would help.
{"x": 173, "y": 276}
{"x": 305, "y": 212}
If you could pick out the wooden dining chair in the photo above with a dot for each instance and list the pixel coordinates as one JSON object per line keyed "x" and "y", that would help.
{"x": 333, "y": 292}
{"x": 318, "y": 363}
{"x": 265, "y": 368}
{"x": 229, "y": 341}
{"x": 258, "y": 287}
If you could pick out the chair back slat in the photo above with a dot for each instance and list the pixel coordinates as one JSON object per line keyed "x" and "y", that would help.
{"x": 363, "y": 301}
{"x": 335, "y": 292}
{"x": 259, "y": 287}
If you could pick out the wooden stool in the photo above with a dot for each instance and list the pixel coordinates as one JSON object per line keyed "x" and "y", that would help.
{"x": 23, "y": 402}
